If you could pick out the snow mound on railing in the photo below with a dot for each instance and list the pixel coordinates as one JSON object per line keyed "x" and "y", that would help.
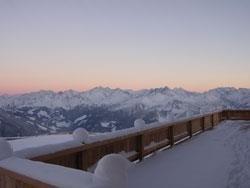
{"x": 139, "y": 123}
{"x": 81, "y": 135}
{"x": 113, "y": 168}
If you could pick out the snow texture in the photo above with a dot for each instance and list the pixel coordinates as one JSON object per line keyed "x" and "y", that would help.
{"x": 64, "y": 111}
{"x": 6, "y": 150}
{"x": 219, "y": 158}
{"x": 43, "y": 113}
{"x": 55, "y": 175}
{"x": 63, "y": 124}
{"x": 81, "y": 135}
{"x": 113, "y": 168}
{"x": 111, "y": 172}
{"x": 80, "y": 118}
{"x": 139, "y": 123}
{"x": 161, "y": 98}
{"x": 40, "y": 145}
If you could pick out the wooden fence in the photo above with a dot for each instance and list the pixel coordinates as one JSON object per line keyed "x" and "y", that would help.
{"x": 137, "y": 145}
{"x": 134, "y": 146}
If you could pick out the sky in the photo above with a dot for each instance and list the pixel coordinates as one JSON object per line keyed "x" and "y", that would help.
{"x": 79, "y": 44}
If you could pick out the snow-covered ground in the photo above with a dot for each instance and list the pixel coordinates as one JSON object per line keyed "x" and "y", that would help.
{"x": 219, "y": 158}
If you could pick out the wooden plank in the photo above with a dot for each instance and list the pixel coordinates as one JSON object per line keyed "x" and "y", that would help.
{"x": 156, "y": 147}
{"x": 140, "y": 146}
{"x": 79, "y": 160}
{"x": 189, "y": 128}
{"x": 171, "y": 136}
{"x": 212, "y": 120}
{"x": 203, "y": 124}
{"x": 14, "y": 178}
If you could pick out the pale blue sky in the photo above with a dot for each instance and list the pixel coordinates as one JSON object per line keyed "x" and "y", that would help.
{"x": 52, "y": 44}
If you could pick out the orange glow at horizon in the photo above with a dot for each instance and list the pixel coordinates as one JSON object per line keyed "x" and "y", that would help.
{"x": 20, "y": 89}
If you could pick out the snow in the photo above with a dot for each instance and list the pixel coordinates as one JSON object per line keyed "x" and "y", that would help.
{"x": 40, "y": 145}
{"x": 43, "y": 113}
{"x": 58, "y": 176}
{"x": 63, "y": 124}
{"x": 113, "y": 168}
{"x": 30, "y": 122}
{"x": 42, "y": 127}
{"x": 32, "y": 118}
{"x": 6, "y": 149}
{"x": 109, "y": 124}
{"x": 31, "y": 111}
{"x": 219, "y": 158}
{"x": 111, "y": 172}
{"x": 80, "y": 118}
{"x": 105, "y": 124}
{"x": 139, "y": 123}
{"x": 81, "y": 135}
{"x": 159, "y": 98}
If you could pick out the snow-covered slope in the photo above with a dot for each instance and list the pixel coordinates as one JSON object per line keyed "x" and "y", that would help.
{"x": 104, "y": 109}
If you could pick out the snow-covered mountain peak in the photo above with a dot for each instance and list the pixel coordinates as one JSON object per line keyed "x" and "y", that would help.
{"x": 105, "y": 109}
{"x": 124, "y": 98}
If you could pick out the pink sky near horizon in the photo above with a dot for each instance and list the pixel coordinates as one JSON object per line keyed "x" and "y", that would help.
{"x": 20, "y": 89}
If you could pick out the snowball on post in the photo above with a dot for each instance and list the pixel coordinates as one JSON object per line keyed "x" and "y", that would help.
{"x": 139, "y": 123}
{"x": 81, "y": 135}
{"x": 112, "y": 168}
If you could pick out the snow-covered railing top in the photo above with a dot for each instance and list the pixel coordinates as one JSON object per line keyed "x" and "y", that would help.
{"x": 24, "y": 173}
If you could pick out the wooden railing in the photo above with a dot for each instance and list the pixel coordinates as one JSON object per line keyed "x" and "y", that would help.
{"x": 134, "y": 146}
{"x": 137, "y": 145}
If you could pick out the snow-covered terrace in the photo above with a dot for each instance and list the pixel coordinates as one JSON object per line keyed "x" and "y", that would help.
{"x": 217, "y": 158}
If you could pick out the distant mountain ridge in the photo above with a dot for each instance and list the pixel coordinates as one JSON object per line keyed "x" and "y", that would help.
{"x": 103, "y": 109}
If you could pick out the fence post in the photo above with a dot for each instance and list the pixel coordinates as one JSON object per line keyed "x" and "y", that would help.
{"x": 85, "y": 160}
{"x": 79, "y": 160}
{"x": 227, "y": 115}
{"x": 140, "y": 146}
{"x": 171, "y": 135}
{"x": 212, "y": 120}
{"x": 203, "y": 124}
{"x": 189, "y": 129}
{"x": 220, "y": 116}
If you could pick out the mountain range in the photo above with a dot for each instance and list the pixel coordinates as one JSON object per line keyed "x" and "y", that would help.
{"x": 104, "y": 109}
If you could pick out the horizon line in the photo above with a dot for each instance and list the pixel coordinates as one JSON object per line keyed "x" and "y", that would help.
{"x": 114, "y": 88}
